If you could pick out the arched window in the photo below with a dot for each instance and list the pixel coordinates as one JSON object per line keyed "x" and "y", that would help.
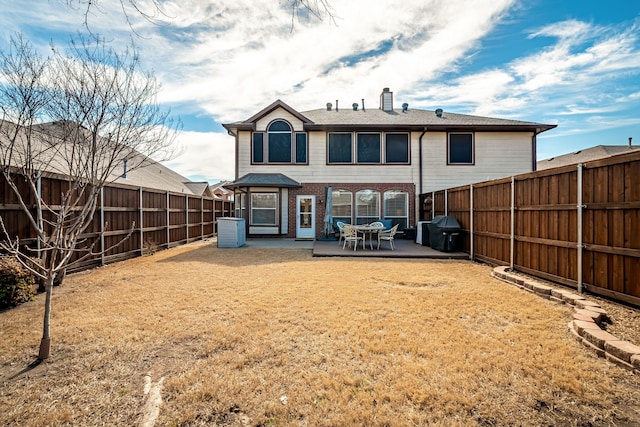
{"x": 396, "y": 207}
{"x": 367, "y": 206}
{"x": 279, "y": 140}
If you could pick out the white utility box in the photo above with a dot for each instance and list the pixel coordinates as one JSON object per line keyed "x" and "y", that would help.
{"x": 231, "y": 232}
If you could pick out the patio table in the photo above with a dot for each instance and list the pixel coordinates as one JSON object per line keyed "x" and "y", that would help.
{"x": 366, "y": 228}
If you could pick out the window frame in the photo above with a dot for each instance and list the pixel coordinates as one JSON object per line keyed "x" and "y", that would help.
{"x": 261, "y": 144}
{"x": 401, "y": 220}
{"x": 306, "y": 148}
{"x": 386, "y": 149}
{"x": 274, "y": 209}
{"x": 329, "y": 135}
{"x": 275, "y": 133}
{"x": 357, "y": 148}
{"x": 254, "y": 145}
{"x": 334, "y": 197}
{"x": 473, "y": 149}
{"x": 370, "y": 218}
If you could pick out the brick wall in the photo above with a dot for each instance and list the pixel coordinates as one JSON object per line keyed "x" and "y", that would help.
{"x": 319, "y": 190}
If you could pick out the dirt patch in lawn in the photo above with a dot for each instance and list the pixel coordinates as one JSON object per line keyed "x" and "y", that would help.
{"x": 263, "y": 337}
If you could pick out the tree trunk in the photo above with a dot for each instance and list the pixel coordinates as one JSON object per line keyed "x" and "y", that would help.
{"x": 45, "y": 342}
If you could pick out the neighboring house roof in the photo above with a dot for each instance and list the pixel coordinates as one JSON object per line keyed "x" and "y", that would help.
{"x": 264, "y": 180}
{"x": 151, "y": 175}
{"x": 586, "y": 155}
{"x": 199, "y": 188}
{"x": 220, "y": 187}
{"x": 406, "y": 119}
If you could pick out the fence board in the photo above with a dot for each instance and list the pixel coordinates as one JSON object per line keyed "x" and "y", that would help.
{"x": 546, "y": 224}
{"x": 155, "y": 224}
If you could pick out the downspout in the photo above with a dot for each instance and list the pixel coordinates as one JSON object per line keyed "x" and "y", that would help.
{"x": 534, "y": 151}
{"x": 420, "y": 159}
{"x": 420, "y": 189}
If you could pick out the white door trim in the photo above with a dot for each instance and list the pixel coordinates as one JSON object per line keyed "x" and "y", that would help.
{"x": 306, "y": 220}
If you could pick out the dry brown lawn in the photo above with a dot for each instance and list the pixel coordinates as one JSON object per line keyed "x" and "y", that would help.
{"x": 263, "y": 337}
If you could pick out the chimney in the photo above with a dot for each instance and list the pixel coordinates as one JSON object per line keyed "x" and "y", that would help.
{"x": 386, "y": 100}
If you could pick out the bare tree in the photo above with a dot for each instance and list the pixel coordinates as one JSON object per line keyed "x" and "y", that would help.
{"x": 152, "y": 10}
{"x": 80, "y": 113}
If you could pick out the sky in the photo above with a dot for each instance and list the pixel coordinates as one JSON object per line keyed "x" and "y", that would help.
{"x": 575, "y": 64}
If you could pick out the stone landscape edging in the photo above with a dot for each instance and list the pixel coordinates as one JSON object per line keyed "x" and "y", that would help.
{"x": 586, "y": 323}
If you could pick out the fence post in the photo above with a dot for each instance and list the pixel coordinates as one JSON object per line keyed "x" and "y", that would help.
{"x": 446, "y": 202}
{"x": 186, "y": 208}
{"x": 513, "y": 222}
{"x": 141, "y": 230}
{"x": 433, "y": 204}
{"x": 168, "y": 218}
{"x": 102, "y": 226}
{"x": 39, "y": 190}
{"x": 471, "y": 221}
{"x": 580, "y": 245}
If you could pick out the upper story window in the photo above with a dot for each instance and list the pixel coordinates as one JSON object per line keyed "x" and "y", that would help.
{"x": 340, "y": 148}
{"x": 397, "y": 148}
{"x": 279, "y": 145}
{"x": 279, "y": 136}
{"x": 368, "y": 148}
{"x": 460, "y": 149}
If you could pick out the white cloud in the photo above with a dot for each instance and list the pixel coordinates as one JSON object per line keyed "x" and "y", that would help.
{"x": 230, "y": 58}
{"x": 209, "y": 154}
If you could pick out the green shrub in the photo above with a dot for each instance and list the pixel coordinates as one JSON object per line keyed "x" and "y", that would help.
{"x": 17, "y": 284}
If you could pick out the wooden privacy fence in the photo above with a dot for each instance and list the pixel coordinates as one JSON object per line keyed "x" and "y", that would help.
{"x": 160, "y": 219}
{"x": 578, "y": 225}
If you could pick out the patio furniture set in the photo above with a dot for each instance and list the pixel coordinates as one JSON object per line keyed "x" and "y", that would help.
{"x": 354, "y": 234}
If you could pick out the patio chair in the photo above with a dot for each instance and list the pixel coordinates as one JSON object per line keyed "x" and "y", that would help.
{"x": 388, "y": 235}
{"x": 376, "y": 224}
{"x": 340, "y": 226}
{"x": 351, "y": 235}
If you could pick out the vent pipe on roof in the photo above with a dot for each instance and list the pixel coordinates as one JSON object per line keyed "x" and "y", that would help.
{"x": 355, "y": 106}
{"x": 336, "y": 105}
{"x": 362, "y": 104}
{"x": 630, "y": 138}
{"x": 329, "y": 105}
{"x": 405, "y": 107}
{"x": 439, "y": 112}
{"x": 124, "y": 172}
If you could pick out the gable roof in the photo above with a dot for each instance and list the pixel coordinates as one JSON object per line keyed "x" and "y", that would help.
{"x": 409, "y": 119}
{"x": 264, "y": 180}
{"x": 586, "y": 155}
{"x": 249, "y": 124}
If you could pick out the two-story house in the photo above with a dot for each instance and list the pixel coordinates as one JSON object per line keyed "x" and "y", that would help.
{"x": 368, "y": 164}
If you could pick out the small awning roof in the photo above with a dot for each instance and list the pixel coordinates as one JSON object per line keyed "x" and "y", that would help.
{"x": 264, "y": 180}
